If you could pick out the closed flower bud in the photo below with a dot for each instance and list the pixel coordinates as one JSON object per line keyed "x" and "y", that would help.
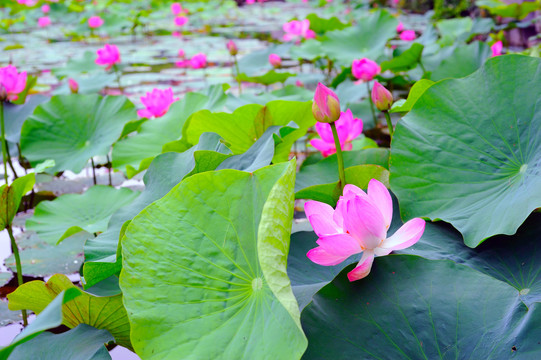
{"x": 326, "y": 106}
{"x": 74, "y": 86}
{"x": 275, "y": 60}
{"x": 232, "y": 48}
{"x": 381, "y": 97}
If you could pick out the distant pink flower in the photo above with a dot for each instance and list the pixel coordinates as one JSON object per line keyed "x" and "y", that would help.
{"x": 46, "y": 8}
{"x": 176, "y": 33}
{"x": 275, "y": 60}
{"x": 176, "y": 8}
{"x": 44, "y": 21}
{"x": 304, "y": 1}
{"x": 348, "y": 129}
{"x": 28, "y": 3}
{"x": 11, "y": 83}
{"x": 295, "y": 30}
{"x": 299, "y": 83}
{"x": 497, "y": 48}
{"x": 108, "y": 55}
{"x": 399, "y": 27}
{"x": 408, "y": 35}
{"x": 95, "y": 22}
{"x": 249, "y": 2}
{"x": 198, "y": 61}
{"x": 365, "y": 69}
{"x": 181, "y": 54}
{"x": 232, "y": 48}
{"x": 396, "y": 2}
{"x": 157, "y": 103}
{"x": 359, "y": 224}
{"x": 181, "y": 20}
{"x": 326, "y": 105}
{"x": 73, "y": 85}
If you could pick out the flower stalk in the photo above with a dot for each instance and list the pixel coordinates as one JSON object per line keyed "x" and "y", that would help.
{"x": 341, "y": 172}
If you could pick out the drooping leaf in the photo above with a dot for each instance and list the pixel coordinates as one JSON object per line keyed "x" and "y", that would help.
{"x": 321, "y": 25}
{"x": 81, "y": 343}
{"x": 271, "y": 77}
{"x": 481, "y": 153}
{"x": 239, "y": 305}
{"x": 407, "y": 60}
{"x": 415, "y": 93}
{"x": 105, "y": 312}
{"x": 11, "y": 196}
{"x": 68, "y": 214}
{"x": 70, "y": 129}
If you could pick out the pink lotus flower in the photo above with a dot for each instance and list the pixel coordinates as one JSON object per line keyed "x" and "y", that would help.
{"x": 359, "y": 224}
{"x": 176, "y": 8}
{"x": 295, "y": 30}
{"x": 299, "y": 83}
{"x": 181, "y": 54}
{"x": 326, "y": 105}
{"x": 399, "y": 27}
{"x": 45, "y": 8}
{"x": 250, "y": 2}
{"x": 108, "y": 55}
{"x": 181, "y": 20}
{"x": 365, "y": 69}
{"x": 232, "y": 48}
{"x": 73, "y": 85}
{"x": 381, "y": 97}
{"x": 497, "y": 48}
{"x": 95, "y": 22}
{"x": 44, "y": 21}
{"x": 28, "y": 3}
{"x": 347, "y": 127}
{"x": 198, "y": 61}
{"x": 156, "y": 103}
{"x": 11, "y": 83}
{"x": 275, "y": 60}
{"x": 408, "y": 35}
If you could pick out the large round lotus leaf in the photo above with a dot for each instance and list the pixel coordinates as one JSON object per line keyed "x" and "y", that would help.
{"x": 469, "y": 152}
{"x": 413, "y": 308}
{"x": 70, "y": 129}
{"x": 204, "y": 269}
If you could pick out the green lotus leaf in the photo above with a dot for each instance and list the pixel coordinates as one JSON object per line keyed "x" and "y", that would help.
{"x": 480, "y": 159}
{"x": 204, "y": 269}
{"x": 407, "y": 60}
{"x": 71, "y": 129}
{"x": 415, "y": 93}
{"x": 268, "y": 78}
{"x": 463, "y": 61}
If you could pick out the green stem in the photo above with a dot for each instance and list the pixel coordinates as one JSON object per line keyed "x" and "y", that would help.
{"x": 110, "y": 170}
{"x": 371, "y": 103}
{"x": 238, "y": 73}
{"x": 117, "y": 77}
{"x": 389, "y": 123}
{"x": 341, "y": 173}
{"x": 422, "y": 67}
{"x": 10, "y": 163}
{"x": 4, "y": 147}
{"x": 15, "y": 250}
{"x": 93, "y": 170}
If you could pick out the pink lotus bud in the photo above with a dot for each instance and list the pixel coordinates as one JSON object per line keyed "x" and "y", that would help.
{"x": 232, "y": 47}
{"x": 381, "y": 97}
{"x": 108, "y": 55}
{"x": 44, "y": 21}
{"x": 365, "y": 69}
{"x": 326, "y": 106}
{"x": 95, "y": 22}
{"x": 275, "y": 60}
{"x": 73, "y": 85}
{"x": 400, "y": 27}
{"x": 176, "y": 8}
{"x": 198, "y": 61}
{"x": 497, "y": 48}
{"x": 181, "y": 20}
{"x": 11, "y": 83}
{"x": 181, "y": 54}
{"x": 299, "y": 83}
{"x": 408, "y": 35}
{"x": 45, "y": 8}
{"x": 157, "y": 103}
{"x": 249, "y": 2}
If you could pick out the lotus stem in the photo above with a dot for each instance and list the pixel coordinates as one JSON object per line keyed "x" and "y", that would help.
{"x": 371, "y": 103}
{"x": 93, "y": 171}
{"x": 4, "y": 149}
{"x": 20, "y": 280}
{"x": 110, "y": 169}
{"x": 389, "y": 123}
{"x": 238, "y": 73}
{"x": 341, "y": 173}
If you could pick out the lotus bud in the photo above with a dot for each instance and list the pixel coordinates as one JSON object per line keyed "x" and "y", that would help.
{"x": 275, "y": 60}
{"x": 326, "y": 106}
{"x": 74, "y": 86}
{"x": 381, "y": 97}
{"x": 232, "y": 48}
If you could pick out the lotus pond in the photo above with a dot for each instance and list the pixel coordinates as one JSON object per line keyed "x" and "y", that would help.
{"x": 270, "y": 180}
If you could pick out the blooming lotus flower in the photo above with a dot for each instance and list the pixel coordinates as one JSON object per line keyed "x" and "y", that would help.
{"x": 326, "y": 106}
{"x": 157, "y": 103}
{"x": 108, "y": 55}
{"x": 365, "y": 69}
{"x": 198, "y": 61}
{"x": 181, "y": 20}
{"x": 95, "y": 22}
{"x": 45, "y": 8}
{"x": 44, "y": 21}
{"x": 347, "y": 127}
{"x": 497, "y": 48}
{"x": 359, "y": 224}
{"x": 11, "y": 83}
{"x": 176, "y": 8}
{"x": 381, "y": 97}
{"x": 249, "y": 2}
{"x": 73, "y": 85}
{"x": 408, "y": 35}
{"x": 275, "y": 60}
{"x": 232, "y": 48}
{"x": 399, "y": 27}
{"x": 295, "y": 30}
